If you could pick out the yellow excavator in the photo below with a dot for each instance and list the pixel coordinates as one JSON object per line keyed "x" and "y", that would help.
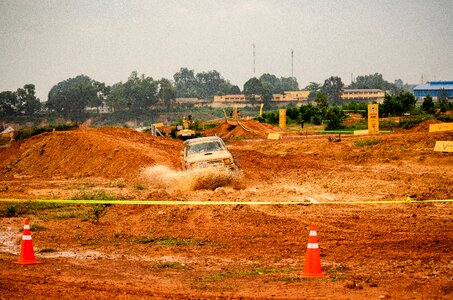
{"x": 184, "y": 132}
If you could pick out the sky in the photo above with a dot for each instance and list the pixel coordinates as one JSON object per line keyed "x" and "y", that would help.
{"x": 45, "y": 42}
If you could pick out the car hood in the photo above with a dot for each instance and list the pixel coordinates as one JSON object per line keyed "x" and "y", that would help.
{"x": 217, "y": 155}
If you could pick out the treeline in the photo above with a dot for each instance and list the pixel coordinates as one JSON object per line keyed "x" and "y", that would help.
{"x": 332, "y": 115}
{"x": 141, "y": 94}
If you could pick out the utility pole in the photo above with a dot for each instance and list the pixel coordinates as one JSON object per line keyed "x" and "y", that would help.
{"x": 292, "y": 63}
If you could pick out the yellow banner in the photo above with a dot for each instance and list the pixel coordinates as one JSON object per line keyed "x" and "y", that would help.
{"x": 373, "y": 118}
{"x": 282, "y": 119}
{"x": 361, "y": 132}
{"x": 158, "y": 124}
{"x": 444, "y": 146}
{"x": 273, "y": 136}
{"x": 261, "y": 109}
{"x": 440, "y": 127}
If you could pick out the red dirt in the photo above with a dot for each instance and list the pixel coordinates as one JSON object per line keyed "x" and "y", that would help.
{"x": 399, "y": 251}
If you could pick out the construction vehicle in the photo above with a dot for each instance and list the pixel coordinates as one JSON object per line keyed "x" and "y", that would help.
{"x": 184, "y": 132}
{"x": 206, "y": 152}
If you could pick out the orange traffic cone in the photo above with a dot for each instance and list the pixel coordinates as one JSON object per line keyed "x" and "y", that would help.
{"x": 27, "y": 255}
{"x": 312, "y": 268}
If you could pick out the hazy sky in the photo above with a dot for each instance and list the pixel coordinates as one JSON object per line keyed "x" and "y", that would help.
{"x": 45, "y": 42}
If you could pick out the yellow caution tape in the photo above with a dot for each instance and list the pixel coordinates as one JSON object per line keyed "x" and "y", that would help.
{"x": 164, "y": 202}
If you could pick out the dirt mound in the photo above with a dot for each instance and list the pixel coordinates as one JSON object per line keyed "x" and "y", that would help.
{"x": 94, "y": 152}
{"x": 248, "y": 129}
{"x": 423, "y": 126}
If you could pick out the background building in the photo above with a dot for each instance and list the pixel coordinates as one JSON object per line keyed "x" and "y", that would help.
{"x": 368, "y": 95}
{"x": 433, "y": 88}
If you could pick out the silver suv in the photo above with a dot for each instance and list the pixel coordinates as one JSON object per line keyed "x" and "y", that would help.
{"x": 207, "y": 152}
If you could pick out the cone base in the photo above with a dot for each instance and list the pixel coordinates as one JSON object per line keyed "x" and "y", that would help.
{"x": 27, "y": 262}
{"x": 314, "y": 275}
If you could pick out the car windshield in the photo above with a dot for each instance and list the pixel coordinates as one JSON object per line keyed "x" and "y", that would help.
{"x": 204, "y": 147}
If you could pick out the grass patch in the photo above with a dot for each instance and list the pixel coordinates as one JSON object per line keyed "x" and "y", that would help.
{"x": 17, "y": 209}
{"x": 37, "y": 227}
{"x": 259, "y": 271}
{"x": 171, "y": 241}
{"x": 47, "y": 250}
{"x": 63, "y": 216}
{"x": 119, "y": 183}
{"x": 170, "y": 265}
{"x": 213, "y": 277}
{"x": 95, "y": 195}
{"x": 139, "y": 187}
{"x": 366, "y": 142}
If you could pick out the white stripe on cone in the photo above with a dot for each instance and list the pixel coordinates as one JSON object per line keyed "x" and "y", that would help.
{"x": 312, "y": 246}
{"x": 26, "y": 237}
{"x": 26, "y": 226}
{"x": 313, "y": 233}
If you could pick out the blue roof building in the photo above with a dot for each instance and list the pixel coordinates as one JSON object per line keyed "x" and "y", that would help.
{"x": 432, "y": 88}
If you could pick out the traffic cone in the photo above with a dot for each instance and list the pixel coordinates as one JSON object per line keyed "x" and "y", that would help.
{"x": 27, "y": 255}
{"x": 312, "y": 268}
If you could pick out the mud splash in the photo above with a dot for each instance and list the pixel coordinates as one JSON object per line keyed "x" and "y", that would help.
{"x": 192, "y": 180}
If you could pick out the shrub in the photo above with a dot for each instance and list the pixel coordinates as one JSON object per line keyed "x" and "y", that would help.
{"x": 409, "y": 123}
{"x": 366, "y": 142}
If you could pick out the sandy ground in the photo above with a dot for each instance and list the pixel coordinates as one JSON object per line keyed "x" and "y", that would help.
{"x": 377, "y": 251}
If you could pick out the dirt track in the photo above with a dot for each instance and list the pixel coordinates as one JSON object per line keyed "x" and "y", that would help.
{"x": 378, "y": 251}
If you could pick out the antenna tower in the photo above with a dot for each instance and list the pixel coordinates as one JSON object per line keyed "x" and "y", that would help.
{"x": 292, "y": 63}
{"x": 254, "y": 58}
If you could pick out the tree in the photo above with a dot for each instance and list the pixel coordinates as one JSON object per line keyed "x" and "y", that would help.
{"x": 428, "y": 104}
{"x": 8, "y": 103}
{"x": 70, "y": 97}
{"x": 391, "y": 105}
{"x": 209, "y": 83}
{"x": 266, "y": 94}
{"x": 186, "y": 84}
{"x": 442, "y": 98}
{"x": 372, "y": 81}
{"x": 272, "y": 82}
{"x": 27, "y": 103}
{"x": 289, "y": 84}
{"x": 313, "y": 87}
{"x": 234, "y": 90}
{"x": 332, "y": 87}
{"x": 335, "y": 116}
{"x": 407, "y": 100}
{"x": 166, "y": 92}
{"x": 253, "y": 87}
{"x": 321, "y": 100}
{"x": 136, "y": 94}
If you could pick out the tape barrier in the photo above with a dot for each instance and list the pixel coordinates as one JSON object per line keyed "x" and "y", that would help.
{"x": 165, "y": 202}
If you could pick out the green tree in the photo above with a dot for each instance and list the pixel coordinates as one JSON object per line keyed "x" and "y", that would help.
{"x": 321, "y": 100}
{"x": 166, "y": 93}
{"x": 372, "y": 81}
{"x": 234, "y": 90}
{"x": 334, "y": 115}
{"x": 313, "y": 87}
{"x": 138, "y": 93}
{"x": 8, "y": 104}
{"x": 266, "y": 94}
{"x": 27, "y": 102}
{"x": 289, "y": 84}
{"x": 332, "y": 87}
{"x": 253, "y": 87}
{"x": 272, "y": 82}
{"x": 428, "y": 104}
{"x": 71, "y": 96}
{"x": 186, "y": 84}
{"x": 209, "y": 83}
{"x": 391, "y": 106}
{"x": 442, "y": 99}
{"x": 407, "y": 100}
